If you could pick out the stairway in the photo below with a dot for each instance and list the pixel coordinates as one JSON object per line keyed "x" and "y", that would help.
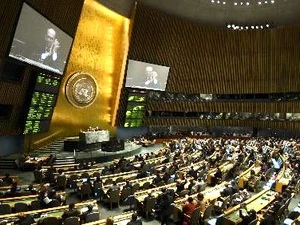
{"x": 65, "y": 160}
{"x": 7, "y": 164}
{"x": 53, "y": 148}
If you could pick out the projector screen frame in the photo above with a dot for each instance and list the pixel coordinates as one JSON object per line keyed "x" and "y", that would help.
{"x": 146, "y": 67}
{"x": 59, "y": 31}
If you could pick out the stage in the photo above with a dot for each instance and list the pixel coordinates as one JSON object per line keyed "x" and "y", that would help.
{"x": 96, "y": 155}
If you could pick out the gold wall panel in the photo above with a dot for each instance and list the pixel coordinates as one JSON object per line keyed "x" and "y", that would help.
{"x": 99, "y": 49}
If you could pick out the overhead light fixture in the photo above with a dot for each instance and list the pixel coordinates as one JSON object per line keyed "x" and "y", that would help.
{"x": 246, "y": 27}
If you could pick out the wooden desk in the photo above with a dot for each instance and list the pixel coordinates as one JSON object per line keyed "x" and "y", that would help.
{"x": 243, "y": 178}
{"x": 121, "y": 219}
{"x": 23, "y": 186}
{"x": 63, "y": 166}
{"x": 281, "y": 183}
{"x": 140, "y": 195}
{"x": 48, "y": 210}
{"x": 58, "y": 213}
{"x": 24, "y": 199}
{"x": 210, "y": 194}
{"x": 225, "y": 167}
{"x": 139, "y": 181}
{"x": 256, "y": 202}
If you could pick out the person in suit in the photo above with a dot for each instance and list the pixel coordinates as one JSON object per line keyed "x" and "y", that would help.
{"x": 193, "y": 173}
{"x": 152, "y": 77}
{"x": 114, "y": 187}
{"x": 228, "y": 190}
{"x": 7, "y": 180}
{"x": 134, "y": 220}
{"x": 84, "y": 214}
{"x": 49, "y": 55}
{"x": 179, "y": 186}
{"x": 70, "y": 212}
{"x": 247, "y": 218}
{"x": 166, "y": 208}
{"x": 25, "y": 219}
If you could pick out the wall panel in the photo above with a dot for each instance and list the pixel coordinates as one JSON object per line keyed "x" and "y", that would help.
{"x": 213, "y": 60}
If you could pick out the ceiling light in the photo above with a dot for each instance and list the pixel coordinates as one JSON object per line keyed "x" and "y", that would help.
{"x": 247, "y": 3}
{"x": 228, "y": 26}
{"x": 267, "y": 25}
{"x": 266, "y": 2}
{"x": 241, "y": 3}
{"x": 212, "y": 1}
{"x": 259, "y": 3}
{"x": 272, "y": 1}
{"x": 235, "y": 3}
{"x": 224, "y": 3}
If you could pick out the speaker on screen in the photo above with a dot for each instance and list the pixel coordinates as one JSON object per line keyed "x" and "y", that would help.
{"x": 39, "y": 42}
{"x": 146, "y": 75}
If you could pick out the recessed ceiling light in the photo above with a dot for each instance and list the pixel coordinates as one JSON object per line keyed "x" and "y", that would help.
{"x": 247, "y": 3}
{"x": 259, "y": 3}
{"x": 212, "y": 1}
{"x": 266, "y": 2}
{"x": 224, "y": 3}
{"x": 218, "y": 2}
{"x": 235, "y": 3}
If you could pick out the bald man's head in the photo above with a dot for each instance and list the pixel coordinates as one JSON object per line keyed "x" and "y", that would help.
{"x": 50, "y": 36}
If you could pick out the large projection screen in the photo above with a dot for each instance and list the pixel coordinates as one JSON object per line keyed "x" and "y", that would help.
{"x": 38, "y": 42}
{"x": 146, "y": 75}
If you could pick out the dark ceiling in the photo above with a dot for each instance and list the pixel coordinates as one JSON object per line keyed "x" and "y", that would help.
{"x": 217, "y": 13}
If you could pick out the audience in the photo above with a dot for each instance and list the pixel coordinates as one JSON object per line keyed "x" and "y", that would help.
{"x": 180, "y": 155}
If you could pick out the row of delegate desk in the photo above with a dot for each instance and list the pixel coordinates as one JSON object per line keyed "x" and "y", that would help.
{"x": 49, "y": 212}
{"x": 26, "y": 199}
{"x": 257, "y": 202}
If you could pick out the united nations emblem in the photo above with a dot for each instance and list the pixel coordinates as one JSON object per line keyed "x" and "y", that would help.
{"x": 81, "y": 89}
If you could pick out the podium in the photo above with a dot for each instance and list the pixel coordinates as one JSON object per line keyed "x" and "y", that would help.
{"x": 90, "y": 137}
